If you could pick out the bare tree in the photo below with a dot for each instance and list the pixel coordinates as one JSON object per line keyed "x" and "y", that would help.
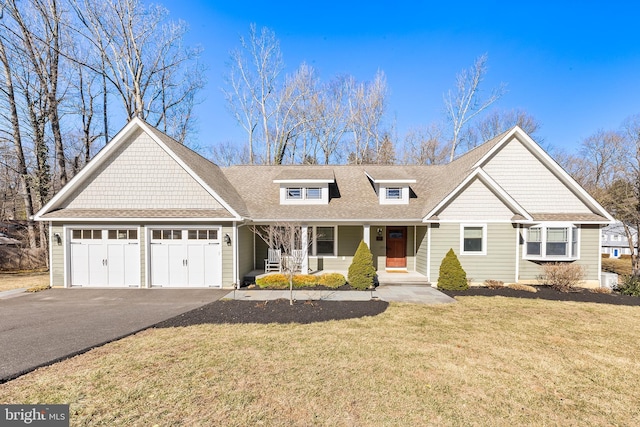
{"x": 288, "y": 238}
{"x": 464, "y": 103}
{"x": 142, "y": 56}
{"x": 424, "y": 146}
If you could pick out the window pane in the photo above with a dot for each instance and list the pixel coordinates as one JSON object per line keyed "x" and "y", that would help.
{"x": 535, "y": 235}
{"x": 556, "y": 249}
{"x": 314, "y": 193}
{"x": 533, "y": 248}
{"x": 213, "y": 234}
{"x": 472, "y": 239}
{"x": 77, "y": 234}
{"x": 86, "y": 234}
{"x": 156, "y": 234}
{"x": 324, "y": 240}
{"x": 97, "y": 234}
{"x": 192, "y": 234}
{"x": 122, "y": 234}
{"x": 133, "y": 234}
{"x": 557, "y": 235}
{"x": 294, "y": 193}
{"x": 394, "y": 193}
{"x": 113, "y": 234}
{"x": 177, "y": 234}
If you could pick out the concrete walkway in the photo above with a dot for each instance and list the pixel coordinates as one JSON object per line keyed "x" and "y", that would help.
{"x": 415, "y": 294}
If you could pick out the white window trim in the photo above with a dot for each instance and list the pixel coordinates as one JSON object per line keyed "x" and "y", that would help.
{"x": 304, "y": 199}
{"x": 484, "y": 239}
{"x": 572, "y": 228}
{"x": 314, "y": 247}
{"x": 384, "y": 200}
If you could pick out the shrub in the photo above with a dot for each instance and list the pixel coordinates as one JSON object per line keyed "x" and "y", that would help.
{"x": 304, "y": 280}
{"x": 562, "y": 276}
{"x": 519, "y": 287}
{"x": 452, "y": 276}
{"x": 494, "y": 284}
{"x": 274, "y": 281}
{"x": 332, "y": 280}
{"x": 361, "y": 271}
{"x": 630, "y": 286}
{"x": 600, "y": 290}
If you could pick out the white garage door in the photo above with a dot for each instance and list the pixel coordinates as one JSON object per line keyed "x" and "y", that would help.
{"x": 105, "y": 257}
{"x": 186, "y": 257}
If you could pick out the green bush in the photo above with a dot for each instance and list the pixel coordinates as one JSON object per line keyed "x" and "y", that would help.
{"x": 332, "y": 280}
{"x": 630, "y": 286}
{"x": 361, "y": 271}
{"x": 452, "y": 276}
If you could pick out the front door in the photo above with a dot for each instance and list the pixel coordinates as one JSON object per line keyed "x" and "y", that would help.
{"x": 396, "y": 247}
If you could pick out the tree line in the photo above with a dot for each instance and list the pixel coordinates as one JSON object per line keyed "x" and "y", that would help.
{"x": 67, "y": 67}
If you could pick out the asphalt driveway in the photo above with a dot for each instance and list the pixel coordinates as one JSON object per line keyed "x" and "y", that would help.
{"x": 40, "y": 328}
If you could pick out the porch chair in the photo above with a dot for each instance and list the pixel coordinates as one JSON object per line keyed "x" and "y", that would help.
{"x": 273, "y": 261}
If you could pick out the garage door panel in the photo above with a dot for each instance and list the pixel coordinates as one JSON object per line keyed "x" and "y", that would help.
{"x": 213, "y": 266}
{"x": 97, "y": 264}
{"x": 79, "y": 264}
{"x": 177, "y": 266}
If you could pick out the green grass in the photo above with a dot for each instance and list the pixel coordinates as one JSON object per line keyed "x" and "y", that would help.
{"x": 482, "y": 361}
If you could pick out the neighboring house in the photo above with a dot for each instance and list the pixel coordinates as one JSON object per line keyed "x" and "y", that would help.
{"x": 615, "y": 242}
{"x": 149, "y": 212}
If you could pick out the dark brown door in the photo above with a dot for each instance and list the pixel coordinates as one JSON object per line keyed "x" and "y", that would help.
{"x": 396, "y": 247}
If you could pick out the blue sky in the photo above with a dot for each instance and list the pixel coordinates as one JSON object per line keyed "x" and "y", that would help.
{"x": 573, "y": 65}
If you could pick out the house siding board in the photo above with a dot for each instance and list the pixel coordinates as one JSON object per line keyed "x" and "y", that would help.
{"x": 349, "y": 238}
{"x": 140, "y": 175}
{"x": 421, "y": 250}
{"x": 57, "y": 256}
{"x": 497, "y": 264}
{"x": 245, "y": 254}
{"x": 227, "y": 258}
{"x": 476, "y": 201}
{"x": 521, "y": 174}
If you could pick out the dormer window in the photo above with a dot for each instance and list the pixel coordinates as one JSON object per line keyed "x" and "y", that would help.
{"x": 394, "y": 193}
{"x": 294, "y": 193}
{"x": 305, "y": 186}
{"x": 392, "y": 186}
{"x": 314, "y": 193}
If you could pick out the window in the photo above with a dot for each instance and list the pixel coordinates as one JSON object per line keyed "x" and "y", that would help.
{"x": 294, "y": 193}
{"x": 473, "y": 240}
{"x": 394, "y": 193}
{"x": 325, "y": 240}
{"x": 122, "y": 234}
{"x": 166, "y": 234}
{"x": 86, "y": 234}
{"x": 555, "y": 242}
{"x": 202, "y": 234}
{"x": 314, "y": 193}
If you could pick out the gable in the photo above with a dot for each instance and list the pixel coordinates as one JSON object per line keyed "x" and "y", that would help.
{"x": 475, "y": 202}
{"x": 139, "y": 174}
{"x": 529, "y": 181}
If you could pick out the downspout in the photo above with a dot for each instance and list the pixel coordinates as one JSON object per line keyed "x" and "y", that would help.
{"x": 429, "y": 253}
{"x": 236, "y": 279}
{"x": 415, "y": 247}
{"x": 517, "y": 253}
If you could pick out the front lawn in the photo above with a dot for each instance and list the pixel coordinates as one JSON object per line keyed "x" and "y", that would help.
{"x": 27, "y": 280}
{"x": 482, "y": 361}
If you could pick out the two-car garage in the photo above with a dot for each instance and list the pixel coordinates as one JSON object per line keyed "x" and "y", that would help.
{"x": 176, "y": 257}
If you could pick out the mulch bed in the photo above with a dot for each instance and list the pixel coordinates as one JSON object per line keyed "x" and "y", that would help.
{"x": 275, "y": 311}
{"x": 280, "y": 311}
{"x": 547, "y": 293}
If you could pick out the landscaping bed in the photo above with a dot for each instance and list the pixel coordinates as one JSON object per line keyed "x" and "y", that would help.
{"x": 275, "y": 311}
{"x": 548, "y": 293}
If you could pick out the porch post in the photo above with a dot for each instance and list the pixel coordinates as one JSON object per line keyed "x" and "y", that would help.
{"x": 367, "y": 235}
{"x": 305, "y": 247}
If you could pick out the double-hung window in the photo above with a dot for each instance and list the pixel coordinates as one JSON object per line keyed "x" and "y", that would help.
{"x": 553, "y": 242}
{"x": 473, "y": 239}
{"x": 325, "y": 241}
